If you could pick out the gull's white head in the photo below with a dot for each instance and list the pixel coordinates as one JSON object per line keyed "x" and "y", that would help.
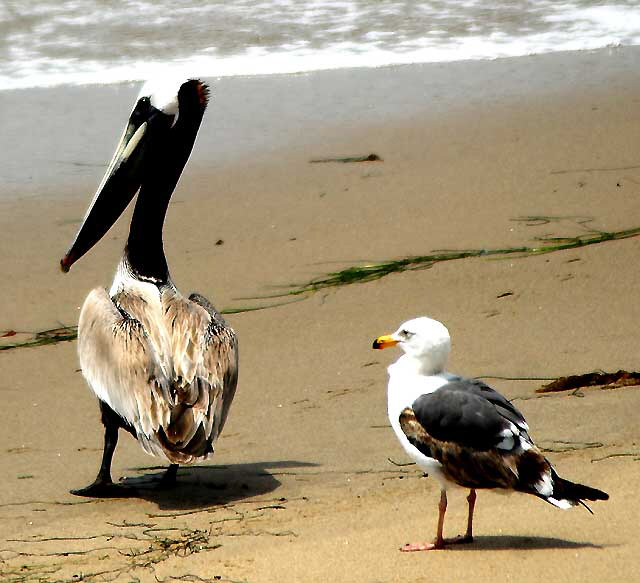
{"x": 423, "y": 339}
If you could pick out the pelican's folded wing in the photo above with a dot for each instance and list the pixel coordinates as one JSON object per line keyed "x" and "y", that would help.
{"x": 221, "y": 355}
{"x": 121, "y": 364}
{"x": 204, "y": 361}
{"x": 169, "y": 373}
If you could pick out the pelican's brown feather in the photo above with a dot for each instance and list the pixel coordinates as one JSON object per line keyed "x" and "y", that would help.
{"x": 163, "y": 364}
{"x": 221, "y": 354}
{"x": 117, "y": 358}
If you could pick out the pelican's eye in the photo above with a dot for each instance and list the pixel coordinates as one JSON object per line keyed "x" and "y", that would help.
{"x": 141, "y": 111}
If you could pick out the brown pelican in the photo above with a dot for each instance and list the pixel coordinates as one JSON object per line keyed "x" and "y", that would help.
{"x": 163, "y": 366}
{"x": 462, "y": 432}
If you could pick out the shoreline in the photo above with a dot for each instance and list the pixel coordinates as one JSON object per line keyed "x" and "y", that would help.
{"x": 225, "y": 71}
{"x": 254, "y": 118}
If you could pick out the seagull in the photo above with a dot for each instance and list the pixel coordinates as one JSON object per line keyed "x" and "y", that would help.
{"x": 462, "y": 432}
{"x": 163, "y": 366}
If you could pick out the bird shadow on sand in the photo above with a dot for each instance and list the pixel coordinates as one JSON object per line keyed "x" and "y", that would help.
{"x": 200, "y": 487}
{"x": 525, "y": 543}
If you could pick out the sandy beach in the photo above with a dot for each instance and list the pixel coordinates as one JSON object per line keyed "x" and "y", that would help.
{"x": 303, "y": 486}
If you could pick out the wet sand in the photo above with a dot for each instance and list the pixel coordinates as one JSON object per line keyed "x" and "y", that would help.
{"x": 301, "y": 487}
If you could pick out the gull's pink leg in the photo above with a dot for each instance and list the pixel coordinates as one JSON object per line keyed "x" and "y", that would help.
{"x": 439, "y": 542}
{"x": 471, "y": 499}
{"x": 468, "y": 536}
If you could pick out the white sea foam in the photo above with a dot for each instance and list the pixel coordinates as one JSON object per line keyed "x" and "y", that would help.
{"x": 133, "y": 41}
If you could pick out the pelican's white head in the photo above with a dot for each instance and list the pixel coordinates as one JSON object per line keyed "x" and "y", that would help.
{"x": 422, "y": 339}
{"x": 162, "y": 93}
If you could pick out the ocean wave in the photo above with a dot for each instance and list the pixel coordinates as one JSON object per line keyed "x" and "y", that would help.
{"x": 73, "y": 43}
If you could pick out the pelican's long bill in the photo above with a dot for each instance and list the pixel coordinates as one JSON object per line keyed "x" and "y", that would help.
{"x": 122, "y": 179}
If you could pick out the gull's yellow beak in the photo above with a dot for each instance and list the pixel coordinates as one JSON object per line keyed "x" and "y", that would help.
{"x": 384, "y": 342}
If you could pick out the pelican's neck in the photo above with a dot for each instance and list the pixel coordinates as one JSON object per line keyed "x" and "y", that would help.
{"x": 128, "y": 280}
{"x": 145, "y": 250}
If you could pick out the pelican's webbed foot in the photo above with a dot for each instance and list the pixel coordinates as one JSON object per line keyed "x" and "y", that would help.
{"x": 105, "y": 489}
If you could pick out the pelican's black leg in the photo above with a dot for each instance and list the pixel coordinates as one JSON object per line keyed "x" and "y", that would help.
{"x": 103, "y": 485}
{"x": 168, "y": 479}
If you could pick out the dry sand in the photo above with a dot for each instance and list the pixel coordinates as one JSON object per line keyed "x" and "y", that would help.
{"x": 301, "y": 488}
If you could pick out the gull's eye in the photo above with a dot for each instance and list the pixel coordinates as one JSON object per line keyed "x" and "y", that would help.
{"x": 406, "y": 334}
